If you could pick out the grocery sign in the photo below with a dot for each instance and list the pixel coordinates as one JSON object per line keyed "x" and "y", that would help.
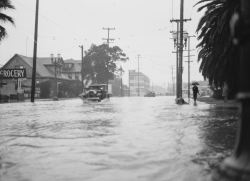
{"x": 12, "y": 73}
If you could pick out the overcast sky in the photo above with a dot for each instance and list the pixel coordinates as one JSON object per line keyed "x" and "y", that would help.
{"x": 141, "y": 27}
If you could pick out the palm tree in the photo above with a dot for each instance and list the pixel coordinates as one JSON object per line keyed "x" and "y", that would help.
{"x": 218, "y": 56}
{"x": 5, "y": 4}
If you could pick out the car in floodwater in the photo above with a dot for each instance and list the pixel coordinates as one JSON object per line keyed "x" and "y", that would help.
{"x": 95, "y": 92}
{"x": 150, "y": 94}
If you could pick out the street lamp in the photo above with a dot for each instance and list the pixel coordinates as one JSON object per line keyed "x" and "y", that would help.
{"x": 57, "y": 62}
{"x": 176, "y": 38}
{"x": 185, "y": 38}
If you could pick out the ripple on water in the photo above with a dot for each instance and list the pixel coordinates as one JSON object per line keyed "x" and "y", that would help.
{"x": 121, "y": 139}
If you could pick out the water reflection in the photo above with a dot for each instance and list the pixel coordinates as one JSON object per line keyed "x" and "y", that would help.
{"x": 218, "y": 131}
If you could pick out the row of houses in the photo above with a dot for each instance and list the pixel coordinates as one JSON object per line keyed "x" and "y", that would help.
{"x": 67, "y": 72}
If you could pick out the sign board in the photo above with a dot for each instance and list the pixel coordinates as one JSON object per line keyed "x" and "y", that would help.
{"x": 12, "y": 73}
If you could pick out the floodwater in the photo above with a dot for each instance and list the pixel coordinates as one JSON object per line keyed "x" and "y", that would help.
{"x": 125, "y": 139}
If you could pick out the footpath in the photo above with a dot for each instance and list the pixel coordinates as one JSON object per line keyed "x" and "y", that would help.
{"x": 219, "y": 102}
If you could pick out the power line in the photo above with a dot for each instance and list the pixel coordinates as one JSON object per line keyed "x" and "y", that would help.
{"x": 62, "y": 27}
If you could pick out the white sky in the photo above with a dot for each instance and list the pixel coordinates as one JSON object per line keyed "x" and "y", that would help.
{"x": 141, "y": 27}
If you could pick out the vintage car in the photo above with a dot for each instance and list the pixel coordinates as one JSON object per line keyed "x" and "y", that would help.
{"x": 150, "y": 94}
{"x": 95, "y": 92}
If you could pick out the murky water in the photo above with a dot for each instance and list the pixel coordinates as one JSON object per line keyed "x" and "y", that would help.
{"x": 125, "y": 139}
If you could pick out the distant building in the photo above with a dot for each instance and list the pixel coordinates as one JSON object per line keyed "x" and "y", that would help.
{"x": 118, "y": 89}
{"x": 125, "y": 91}
{"x": 144, "y": 83}
{"x": 68, "y": 76}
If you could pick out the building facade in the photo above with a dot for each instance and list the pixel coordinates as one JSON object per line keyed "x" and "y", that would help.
{"x": 66, "y": 76}
{"x": 138, "y": 88}
{"x": 72, "y": 69}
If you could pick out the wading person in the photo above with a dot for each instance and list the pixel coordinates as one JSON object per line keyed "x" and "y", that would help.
{"x": 195, "y": 92}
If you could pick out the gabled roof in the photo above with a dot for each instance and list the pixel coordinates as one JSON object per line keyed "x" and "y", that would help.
{"x": 44, "y": 67}
{"x": 72, "y": 61}
{"x": 76, "y": 65}
{"x": 40, "y": 65}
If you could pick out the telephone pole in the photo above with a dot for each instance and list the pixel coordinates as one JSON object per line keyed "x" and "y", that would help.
{"x": 181, "y": 47}
{"x": 179, "y": 51}
{"x": 33, "y": 82}
{"x": 121, "y": 73}
{"x": 138, "y": 75}
{"x": 189, "y": 50}
{"x": 81, "y": 46}
{"x": 108, "y": 39}
{"x": 178, "y": 44}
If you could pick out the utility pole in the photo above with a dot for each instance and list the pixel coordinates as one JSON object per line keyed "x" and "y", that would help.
{"x": 82, "y": 78}
{"x": 108, "y": 39}
{"x": 121, "y": 88}
{"x": 33, "y": 82}
{"x": 189, "y": 66}
{"x": 121, "y": 73}
{"x": 179, "y": 51}
{"x": 181, "y": 48}
{"x": 138, "y": 76}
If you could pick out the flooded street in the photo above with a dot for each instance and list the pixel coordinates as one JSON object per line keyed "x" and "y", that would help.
{"x": 125, "y": 139}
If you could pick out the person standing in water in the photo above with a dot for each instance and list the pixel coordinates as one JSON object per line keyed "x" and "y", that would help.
{"x": 195, "y": 92}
